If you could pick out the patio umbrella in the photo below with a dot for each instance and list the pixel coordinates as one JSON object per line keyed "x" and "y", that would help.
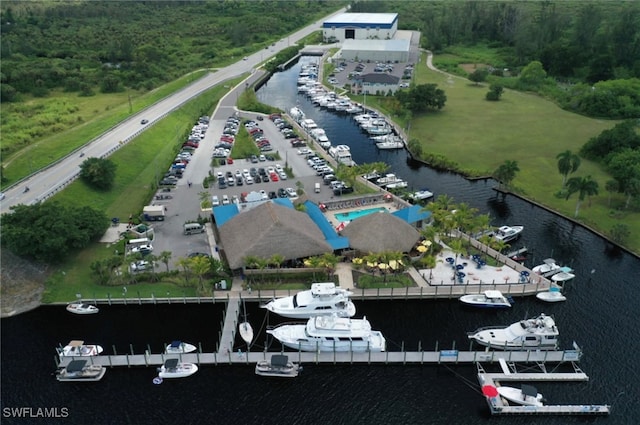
{"x": 370, "y": 264}
{"x": 357, "y": 261}
{"x": 383, "y": 266}
{"x": 422, "y": 248}
{"x": 489, "y": 391}
{"x": 427, "y": 243}
{"x": 340, "y": 227}
{"x": 394, "y": 264}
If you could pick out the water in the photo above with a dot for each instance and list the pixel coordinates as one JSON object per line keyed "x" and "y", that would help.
{"x": 600, "y": 315}
{"x": 352, "y": 215}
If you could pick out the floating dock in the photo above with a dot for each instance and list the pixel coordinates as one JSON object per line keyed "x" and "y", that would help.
{"x": 500, "y": 406}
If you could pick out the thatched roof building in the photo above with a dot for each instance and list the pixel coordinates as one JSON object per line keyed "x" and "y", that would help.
{"x": 271, "y": 229}
{"x": 380, "y": 232}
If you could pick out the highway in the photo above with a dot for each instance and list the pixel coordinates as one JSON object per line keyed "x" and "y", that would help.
{"x": 48, "y": 181}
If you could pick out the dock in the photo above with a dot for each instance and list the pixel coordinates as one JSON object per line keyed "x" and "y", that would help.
{"x": 499, "y": 406}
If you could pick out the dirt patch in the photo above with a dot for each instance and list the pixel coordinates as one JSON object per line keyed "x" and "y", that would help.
{"x": 470, "y": 67}
{"x": 21, "y": 284}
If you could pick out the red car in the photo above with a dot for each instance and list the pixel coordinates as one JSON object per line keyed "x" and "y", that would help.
{"x": 274, "y": 177}
{"x": 229, "y": 161}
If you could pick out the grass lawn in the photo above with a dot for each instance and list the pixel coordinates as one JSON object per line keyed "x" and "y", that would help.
{"x": 481, "y": 135}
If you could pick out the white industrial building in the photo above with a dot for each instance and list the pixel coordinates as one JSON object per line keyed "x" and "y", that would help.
{"x": 360, "y": 26}
{"x": 376, "y": 50}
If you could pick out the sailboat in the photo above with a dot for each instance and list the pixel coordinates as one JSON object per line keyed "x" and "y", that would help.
{"x": 246, "y": 331}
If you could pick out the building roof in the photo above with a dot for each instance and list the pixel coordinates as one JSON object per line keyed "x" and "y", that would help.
{"x": 330, "y": 234}
{"x": 413, "y": 214}
{"x": 378, "y": 78}
{"x": 384, "y": 20}
{"x": 270, "y": 229}
{"x": 379, "y": 232}
{"x": 377, "y": 45}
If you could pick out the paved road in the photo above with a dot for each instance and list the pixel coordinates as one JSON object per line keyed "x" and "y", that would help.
{"x": 52, "y": 179}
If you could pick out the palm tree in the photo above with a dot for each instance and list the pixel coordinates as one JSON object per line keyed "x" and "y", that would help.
{"x": 611, "y": 186}
{"x": 506, "y": 173}
{"x": 329, "y": 261}
{"x": 152, "y": 259}
{"x": 200, "y": 267}
{"x": 584, "y": 186}
{"x": 568, "y": 163}
{"x": 165, "y": 257}
{"x": 185, "y": 263}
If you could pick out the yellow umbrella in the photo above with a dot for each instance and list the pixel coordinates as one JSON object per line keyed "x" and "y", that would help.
{"x": 307, "y": 263}
{"x": 426, "y": 243}
{"x": 383, "y": 266}
{"x": 393, "y": 264}
{"x": 370, "y": 264}
{"x": 422, "y": 248}
{"x": 357, "y": 261}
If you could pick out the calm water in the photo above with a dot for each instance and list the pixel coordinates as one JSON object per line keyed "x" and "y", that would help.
{"x": 600, "y": 315}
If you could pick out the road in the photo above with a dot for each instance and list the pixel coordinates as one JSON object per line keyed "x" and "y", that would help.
{"x": 54, "y": 178}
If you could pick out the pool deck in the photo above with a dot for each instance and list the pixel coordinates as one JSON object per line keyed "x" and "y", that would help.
{"x": 330, "y": 214}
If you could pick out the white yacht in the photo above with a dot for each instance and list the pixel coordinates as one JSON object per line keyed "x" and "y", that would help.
{"x": 279, "y": 366}
{"x": 80, "y": 371}
{"x": 553, "y": 295}
{"x": 388, "y": 179}
{"x": 308, "y": 124}
{"x": 331, "y": 334}
{"x": 547, "y": 268}
{"x": 527, "y": 395}
{"x": 77, "y": 348}
{"x": 179, "y": 347}
{"x": 297, "y": 114}
{"x": 390, "y": 144}
{"x": 421, "y": 195}
{"x": 323, "y": 298}
{"x": 172, "y": 368}
{"x": 539, "y": 333}
{"x": 508, "y": 233}
{"x": 82, "y": 308}
{"x": 488, "y": 299}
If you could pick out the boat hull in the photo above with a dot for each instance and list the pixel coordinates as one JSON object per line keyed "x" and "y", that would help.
{"x": 264, "y": 368}
{"x": 91, "y": 373}
{"x": 481, "y": 301}
{"x": 515, "y": 395}
{"x": 182, "y": 349}
{"x": 182, "y": 371}
{"x": 300, "y": 313}
{"x": 78, "y": 308}
{"x": 551, "y": 296}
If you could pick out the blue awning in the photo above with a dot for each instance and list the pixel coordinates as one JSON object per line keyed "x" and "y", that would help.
{"x": 330, "y": 234}
{"x": 413, "y": 214}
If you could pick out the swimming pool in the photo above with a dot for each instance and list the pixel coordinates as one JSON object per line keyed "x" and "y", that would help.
{"x": 352, "y": 215}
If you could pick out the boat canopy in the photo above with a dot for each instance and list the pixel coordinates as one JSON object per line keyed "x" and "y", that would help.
{"x": 171, "y": 364}
{"x": 529, "y": 390}
{"x": 176, "y": 344}
{"x": 324, "y": 288}
{"x": 279, "y": 360}
{"x": 76, "y": 343}
{"x": 493, "y": 294}
{"x": 76, "y": 366}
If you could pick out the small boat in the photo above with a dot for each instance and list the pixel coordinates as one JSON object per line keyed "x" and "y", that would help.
{"x": 527, "y": 395}
{"x": 421, "y": 195}
{"x": 547, "y": 267}
{"x": 553, "y": 295}
{"x": 388, "y": 179}
{"x": 330, "y": 334}
{"x": 80, "y": 371}
{"x": 179, "y": 347}
{"x": 508, "y": 233}
{"x": 172, "y": 368}
{"x": 323, "y": 298}
{"x": 390, "y": 144}
{"x": 563, "y": 275}
{"x": 82, "y": 308}
{"x": 539, "y": 333}
{"x": 489, "y": 299}
{"x": 77, "y": 348}
{"x": 279, "y": 366}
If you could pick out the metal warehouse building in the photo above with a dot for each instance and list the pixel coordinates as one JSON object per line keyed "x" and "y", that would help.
{"x": 376, "y": 50}
{"x": 360, "y": 26}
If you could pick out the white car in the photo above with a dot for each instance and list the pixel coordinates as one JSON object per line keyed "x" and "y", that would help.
{"x": 225, "y": 200}
{"x": 264, "y": 195}
{"x": 279, "y": 168}
{"x": 291, "y": 193}
{"x": 142, "y": 248}
{"x": 262, "y": 158}
{"x": 139, "y": 266}
{"x": 215, "y": 201}
{"x": 282, "y": 175}
{"x": 304, "y": 151}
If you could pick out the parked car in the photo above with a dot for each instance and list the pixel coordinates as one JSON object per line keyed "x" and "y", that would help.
{"x": 282, "y": 193}
{"x": 215, "y": 201}
{"x": 144, "y": 121}
{"x": 291, "y": 193}
{"x": 225, "y": 200}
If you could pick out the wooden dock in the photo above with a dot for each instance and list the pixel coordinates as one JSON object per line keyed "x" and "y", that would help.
{"x": 500, "y": 406}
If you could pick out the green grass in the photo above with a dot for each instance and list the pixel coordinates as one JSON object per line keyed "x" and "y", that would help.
{"x": 526, "y": 128}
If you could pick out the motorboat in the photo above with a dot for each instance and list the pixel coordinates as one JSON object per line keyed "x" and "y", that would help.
{"x": 488, "y": 299}
{"x": 390, "y": 144}
{"x": 330, "y": 333}
{"x": 397, "y": 184}
{"x": 82, "y": 308}
{"x": 508, "y": 233}
{"x": 553, "y": 295}
{"x": 172, "y": 368}
{"x": 279, "y": 366}
{"x": 388, "y": 179}
{"x": 563, "y": 275}
{"x": 539, "y": 333}
{"x": 548, "y": 267}
{"x": 527, "y": 395}
{"x": 297, "y": 114}
{"x": 421, "y": 195}
{"x": 179, "y": 347}
{"x": 80, "y": 371}
{"x": 322, "y": 298}
{"x": 77, "y": 348}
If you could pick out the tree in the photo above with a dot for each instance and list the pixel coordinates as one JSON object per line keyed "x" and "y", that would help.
{"x": 624, "y": 167}
{"x": 328, "y": 260}
{"x": 478, "y": 76}
{"x": 421, "y": 98}
{"x": 200, "y": 266}
{"x": 49, "y": 231}
{"x": 165, "y": 257}
{"x": 533, "y": 75}
{"x": 620, "y": 232}
{"x": 584, "y": 186}
{"x": 495, "y": 92}
{"x": 506, "y": 172}
{"x": 611, "y": 186}
{"x": 568, "y": 163}
{"x": 99, "y": 173}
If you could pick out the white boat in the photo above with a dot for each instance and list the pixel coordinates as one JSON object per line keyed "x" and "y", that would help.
{"x": 553, "y": 295}
{"x": 77, "y": 348}
{"x": 489, "y": 299}
{"x": 331, "y": 334}
{"x": 246, "y": 332}
{"x": 397, "y": 185}
{"x": 308, "y": 124}
{"x": 179, "y": 347}
{"x": 539, "y": 333}
{"x": 81, "y": 308}
{"x": 388, "y": 179}
{"x": 322, "y": 298}
{"x": 390, "y": 144}
{"x": 547, "y": 267}
{"x": 172, "y": 368}
{"x": 421, "y": 195}
{"x": 80, "y": 371}
{"x": 563, "y": 275}
{"x": 508, "y": 233}
{"x": 279, "y": 366}
{"x": 297, "y": 114}
{"x": 526, "y": 396}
